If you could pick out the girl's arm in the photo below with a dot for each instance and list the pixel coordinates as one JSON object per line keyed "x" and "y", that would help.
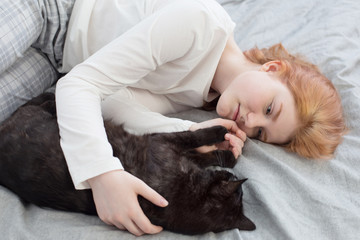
{"x": 162, "y": 37}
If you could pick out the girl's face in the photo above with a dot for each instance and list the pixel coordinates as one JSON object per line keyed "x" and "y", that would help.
{"x": 261, "y": 105}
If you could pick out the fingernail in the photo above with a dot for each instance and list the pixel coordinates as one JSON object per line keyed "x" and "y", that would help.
{"x": 163, "y": 202}
{"x": 158, "y": 229}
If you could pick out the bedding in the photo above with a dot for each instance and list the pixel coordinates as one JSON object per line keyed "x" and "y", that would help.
{"x": 31, "y": 41}
{"x": 287, "y": 197}
{"x": 26, "y": 78}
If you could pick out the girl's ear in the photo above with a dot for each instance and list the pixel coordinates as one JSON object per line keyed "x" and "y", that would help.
{"x": 272, "y": 66}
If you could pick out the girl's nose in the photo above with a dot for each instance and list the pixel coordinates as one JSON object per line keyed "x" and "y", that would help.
{"x": 253, "y": 120}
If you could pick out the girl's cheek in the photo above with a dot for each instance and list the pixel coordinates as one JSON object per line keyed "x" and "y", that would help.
{"x": 219, "y": 110}
{"x": 220, "y": 106}
{"x": 254, "y": 105}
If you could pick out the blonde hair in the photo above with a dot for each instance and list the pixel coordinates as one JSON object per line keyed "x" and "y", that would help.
{"x": 318, "y": 103}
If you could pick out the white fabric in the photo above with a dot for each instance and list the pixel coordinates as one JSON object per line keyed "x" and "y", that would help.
{"x": 287, "y": 197}
{"x": 163, "y": 64}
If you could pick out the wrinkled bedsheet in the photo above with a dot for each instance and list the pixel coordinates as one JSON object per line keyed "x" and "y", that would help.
{"x": 288, "y": 197}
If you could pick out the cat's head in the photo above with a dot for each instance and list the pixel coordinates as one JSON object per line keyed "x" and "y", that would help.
{"x": 225, "y": 200}
{"x": 213, "y": 203}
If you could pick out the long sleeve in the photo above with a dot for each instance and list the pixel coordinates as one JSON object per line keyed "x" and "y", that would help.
{"x": 141, "y": 112}
{"x": 164, "y": 37}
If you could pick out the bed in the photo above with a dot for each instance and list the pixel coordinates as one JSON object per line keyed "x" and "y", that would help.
{"x": 287, "y": 197}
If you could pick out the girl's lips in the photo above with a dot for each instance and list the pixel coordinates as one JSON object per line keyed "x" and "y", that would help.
{"x": 236, "y": 113}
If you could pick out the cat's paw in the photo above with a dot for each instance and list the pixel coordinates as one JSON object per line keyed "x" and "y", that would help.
{"x": 226, "y": 158}
{"x": 216, "y": 133}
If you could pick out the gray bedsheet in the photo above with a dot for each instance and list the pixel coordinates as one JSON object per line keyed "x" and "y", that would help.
{"x": 287, "y": 197}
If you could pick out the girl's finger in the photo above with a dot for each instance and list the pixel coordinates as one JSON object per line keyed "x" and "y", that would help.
{"x": 141, "y": 220}
{"x": 133, "y": 228}
{"x": 235, "y": 152}
{"x": 150, "y": 194}
{"x": 229, "y": 125}
{"x": 120, "y": 226}
{"x": 236, "y": 144}
{"x": 241, "y": 134}
{"x": 145, "y": 225}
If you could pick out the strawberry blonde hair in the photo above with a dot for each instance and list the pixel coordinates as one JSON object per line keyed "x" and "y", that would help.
{"x": 320, "y": 114}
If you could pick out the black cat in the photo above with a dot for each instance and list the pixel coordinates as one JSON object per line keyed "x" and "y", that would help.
{"x": 200, "y": 200}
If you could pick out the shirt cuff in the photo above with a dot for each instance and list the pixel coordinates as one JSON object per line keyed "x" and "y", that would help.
{"x": 100, "y": 167}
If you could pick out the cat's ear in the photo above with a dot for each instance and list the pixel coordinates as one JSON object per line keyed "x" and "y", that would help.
{"x": 228, "y": 187}
{"x": 243, "y": 223}
{"x": 233, "y": 186}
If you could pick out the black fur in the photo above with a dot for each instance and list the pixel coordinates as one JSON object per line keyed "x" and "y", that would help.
{"x": 200, "y": 200}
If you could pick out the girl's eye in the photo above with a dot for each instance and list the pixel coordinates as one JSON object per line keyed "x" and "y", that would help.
{"x": 268, "y": 110}
{"x": 259, "y": 133}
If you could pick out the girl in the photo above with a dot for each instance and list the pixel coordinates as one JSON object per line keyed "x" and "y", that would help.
{"x": 136, "y": 61}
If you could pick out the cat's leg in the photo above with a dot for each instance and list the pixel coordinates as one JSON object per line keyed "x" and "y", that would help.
{"x": 198, "y": 138}
{"x": 209, "y": 136}
{"x": 222, "y": 158}
{"x": 45, "y": 100}
{"x": 226, "y": 158}
{"x": 50, "y": 107}
{"x": 39, "y": 100}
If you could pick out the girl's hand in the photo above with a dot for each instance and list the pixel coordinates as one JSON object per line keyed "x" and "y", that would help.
{"x": 234, "y": 140}
{"x": 115, "y": 195}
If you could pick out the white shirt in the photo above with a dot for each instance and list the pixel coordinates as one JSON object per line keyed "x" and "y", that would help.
{"x": 139, "y": 60}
